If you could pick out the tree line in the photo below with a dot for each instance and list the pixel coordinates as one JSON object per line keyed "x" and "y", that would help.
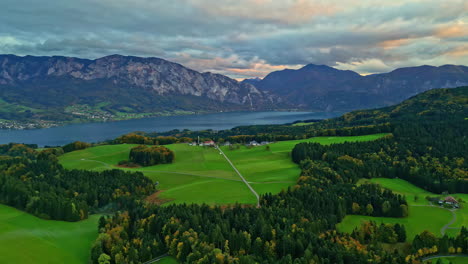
{"x": 148, "y": 156}
{"x": 42, "y": 187}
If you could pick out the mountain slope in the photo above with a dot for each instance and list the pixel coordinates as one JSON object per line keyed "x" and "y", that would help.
{"x": 326, "y": 88}
{"x": 59, "y": 88}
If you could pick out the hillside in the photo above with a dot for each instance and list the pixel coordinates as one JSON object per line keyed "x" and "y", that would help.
{"x": 325, "y": 88}
{"x": 115, "y": 87}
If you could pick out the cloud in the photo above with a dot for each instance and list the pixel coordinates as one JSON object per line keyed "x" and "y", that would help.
{"x": 243, "y": 38}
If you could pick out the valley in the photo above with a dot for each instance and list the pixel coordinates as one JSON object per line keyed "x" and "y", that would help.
{"x": 202, "y": 175}
{"x": 355, "y": 184}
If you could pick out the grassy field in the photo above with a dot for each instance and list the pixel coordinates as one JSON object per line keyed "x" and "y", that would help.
{"x": 272, "y": 170}
{"x": 202, "y": 175}
{"x": 168, "y": 260}
{"x": 447, "y": 260}
{"x": 421, "y": 215}
{"x": 28, "y": 239}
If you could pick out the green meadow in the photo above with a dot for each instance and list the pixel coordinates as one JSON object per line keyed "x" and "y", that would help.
{"x": 167, "y": 260}
{"x": 202, "y": 175}
{"x": 270, "y": 169}
{"x": 44, "y": 241}
{"x": 421, "y": 216}
{"x": 447, "y": 260}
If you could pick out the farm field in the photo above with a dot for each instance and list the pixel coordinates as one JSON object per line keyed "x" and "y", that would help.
{"x": 272, "y": 170}
{"x": 44, "y": 241}
{"x": 447, "y": 260}
{"x": 202, "y": 175}
{"x": 421, "y": 217}
{"x": 167, "y": 260}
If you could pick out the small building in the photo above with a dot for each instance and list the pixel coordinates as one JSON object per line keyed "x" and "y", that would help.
{"x": 208, "y": 143}
{"x": 254, "y": 143}
{"x": 227, "y": 143}
{"x": 450, "y": 200}
{"x": 264, "y": 143}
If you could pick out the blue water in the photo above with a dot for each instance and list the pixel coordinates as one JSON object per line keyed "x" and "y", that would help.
{"x": 95, "y": 132}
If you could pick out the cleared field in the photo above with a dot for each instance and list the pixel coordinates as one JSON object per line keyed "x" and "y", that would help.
{"x": 28, "y": 239}
{"x": 198, "y": 175}
{"x": 421, "y": 215}
{"x": 416, "y": 222}
{"x": 447, "y": 260}
{"x": 168, "y": 260}
{"x": 270, "y": 170}
{"x": 202, "y": 175}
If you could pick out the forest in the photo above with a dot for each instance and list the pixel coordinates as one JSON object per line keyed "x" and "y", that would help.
{"x": 34, "y": 182}
{"x": 153, "y": 155}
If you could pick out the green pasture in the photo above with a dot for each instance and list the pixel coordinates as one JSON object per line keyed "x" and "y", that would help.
{"x": 202, "y": 175}
{"x": 421, "y": 217}
{"x": 167, "y": 260}
{"x": 27, "y": 239}
{"x": 269, "y": 168}
{"x": 447, "y": 260}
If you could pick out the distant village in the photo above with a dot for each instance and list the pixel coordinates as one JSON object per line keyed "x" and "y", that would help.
{"x": 6, "y": 124}
{"x": 211, "y": 143}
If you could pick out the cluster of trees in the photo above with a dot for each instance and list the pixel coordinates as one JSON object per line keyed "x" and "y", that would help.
{"x": 148, "y": 156}
{"x": 371, "y": 232}
{"x": 427, "y": 243}
{"x": 42, "y": 187}
{"x": 134, "y": 138}
{"x": 77, "y": 145}
{"x": 431, "y": 155}
{"x": 18, "y": 150}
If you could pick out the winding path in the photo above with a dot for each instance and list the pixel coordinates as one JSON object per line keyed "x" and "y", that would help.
{"x": 454, "y": 219}
{"x": 447, "y": 226}
{"x": 240, "y": 175}
{"x": 444, "y": 256}
{"x": 156, "y": 259}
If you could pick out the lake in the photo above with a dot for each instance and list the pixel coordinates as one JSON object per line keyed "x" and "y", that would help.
{"x": 95, "y": 132}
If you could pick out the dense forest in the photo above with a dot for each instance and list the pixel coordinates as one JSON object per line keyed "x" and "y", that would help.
{"x": 35, "y": 182}
{"x": 153, "y": 155}
{"x": 295, "y": 225}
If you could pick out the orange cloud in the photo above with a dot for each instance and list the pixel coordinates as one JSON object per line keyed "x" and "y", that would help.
{"x": 292, "y": 11}
{"x": 393, "y": 43}
{"x": 452, "y": 31}
{"x": 459, "y": 51}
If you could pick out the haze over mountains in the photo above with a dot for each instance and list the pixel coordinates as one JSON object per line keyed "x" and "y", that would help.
{"x": 66, "y": 88}
{"x": 325, "y": 88}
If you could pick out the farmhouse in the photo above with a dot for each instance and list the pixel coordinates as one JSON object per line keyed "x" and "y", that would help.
{"x": 449, "y": 200}
{"x": 254, "y": 143}
{"x": 208, "y": 143}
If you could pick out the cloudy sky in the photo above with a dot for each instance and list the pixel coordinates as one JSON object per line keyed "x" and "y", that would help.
{"x": 244, "y": 38}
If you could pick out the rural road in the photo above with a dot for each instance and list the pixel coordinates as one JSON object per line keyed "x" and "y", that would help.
{"x": 240, "y": 175}
{"x": 156, "y": 259}
{"x": 447, "y": 226}
{"x": 444, "y": 256}
{"x": 454, "y": 218}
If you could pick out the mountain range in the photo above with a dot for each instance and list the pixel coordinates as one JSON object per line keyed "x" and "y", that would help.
{"x": 321, "y": 87}
{"x": 67, "y": 89}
